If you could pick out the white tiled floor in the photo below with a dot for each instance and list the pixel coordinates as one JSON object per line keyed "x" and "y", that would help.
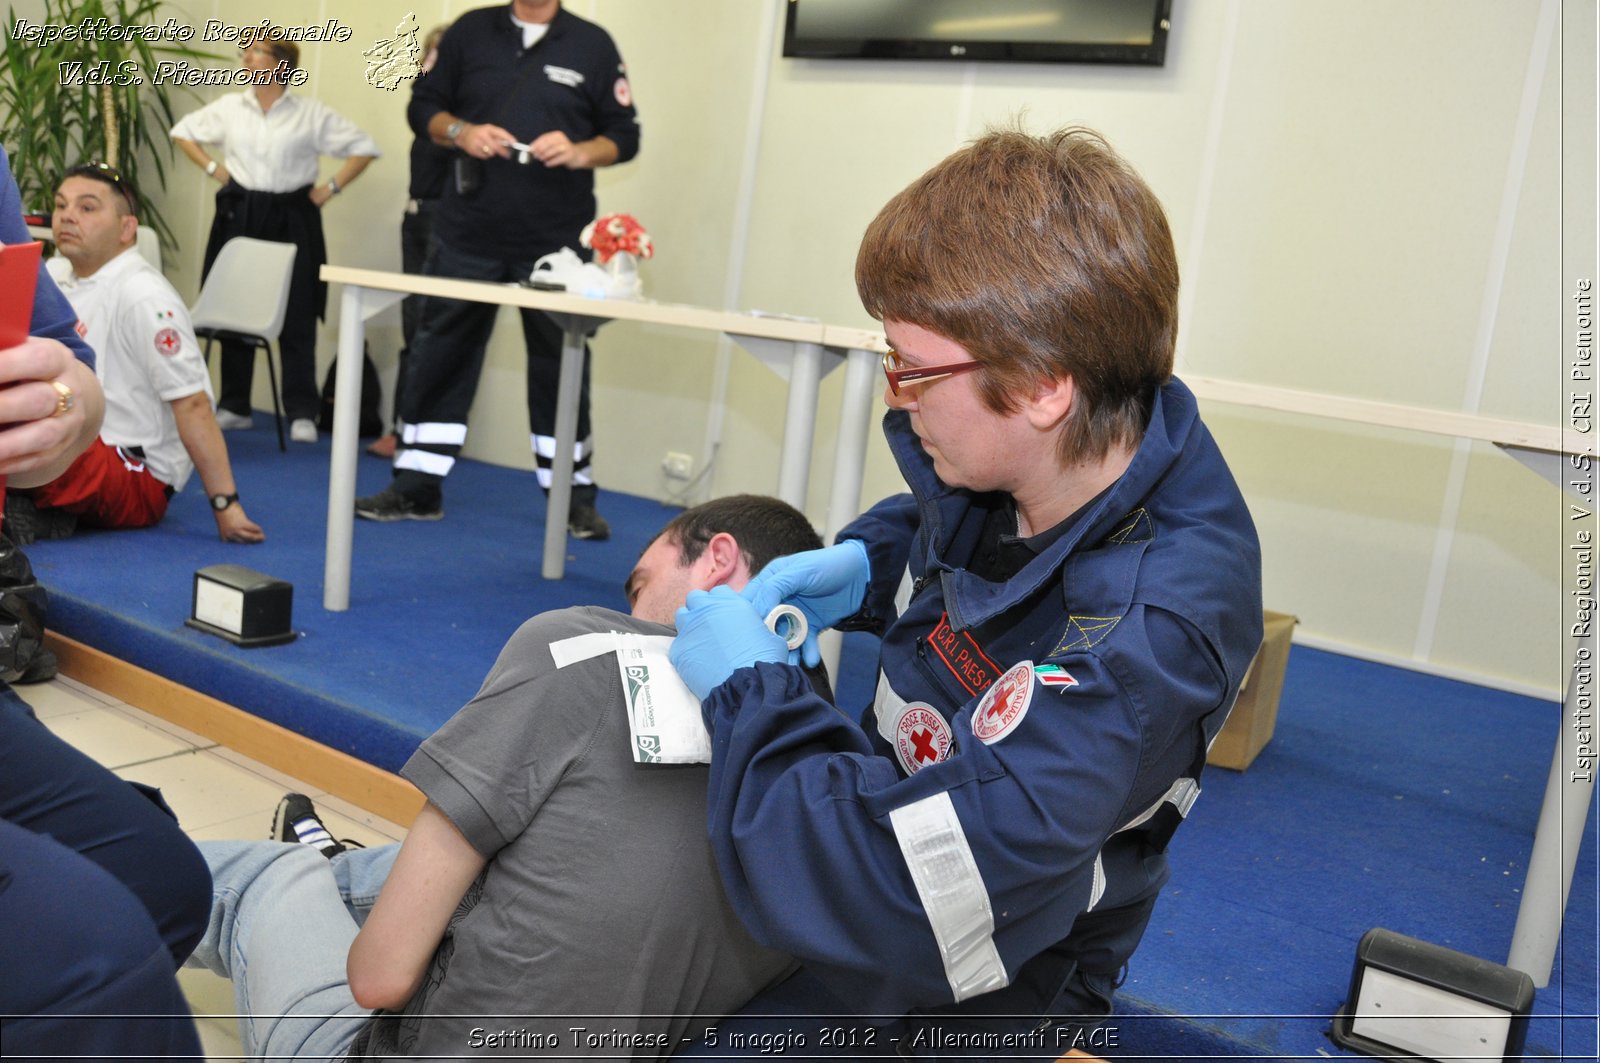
{"x": 216, "y": 793}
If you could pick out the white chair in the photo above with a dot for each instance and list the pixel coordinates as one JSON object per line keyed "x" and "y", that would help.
{"x": 149, "y": 245}
{"x": 243, "y": 300}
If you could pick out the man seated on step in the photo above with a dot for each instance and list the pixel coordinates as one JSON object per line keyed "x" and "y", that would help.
{"x": 159, "y": 426}
{"x": 550, "y": 881}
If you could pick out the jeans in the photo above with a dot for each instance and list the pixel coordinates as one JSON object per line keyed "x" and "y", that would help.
{"x": 282, "y": 920}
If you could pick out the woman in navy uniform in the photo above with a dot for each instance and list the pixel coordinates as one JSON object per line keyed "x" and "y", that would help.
{"x": 1068, "y": 600}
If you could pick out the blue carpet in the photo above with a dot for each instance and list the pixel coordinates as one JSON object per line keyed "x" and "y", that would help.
{"x": 1387, "y": 798}
{"x": 431, "y": 603}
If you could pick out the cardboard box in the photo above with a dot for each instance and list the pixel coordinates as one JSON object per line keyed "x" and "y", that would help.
{"x": 1255, "y": 714}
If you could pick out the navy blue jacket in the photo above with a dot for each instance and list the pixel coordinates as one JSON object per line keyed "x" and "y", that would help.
{"x": 572, "y": 79}
{"x": 941, "y": 851}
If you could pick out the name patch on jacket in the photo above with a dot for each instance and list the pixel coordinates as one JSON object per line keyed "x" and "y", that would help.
{"x": 961, "y": 654}
{"x": 563, "y": 76}
{"x": 1004, "y": 706}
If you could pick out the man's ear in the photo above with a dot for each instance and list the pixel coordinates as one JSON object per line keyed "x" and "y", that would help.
{"x": 722, "y": 562}
{"x": 1051, "y": 402}
{"x": 130, "y": 229}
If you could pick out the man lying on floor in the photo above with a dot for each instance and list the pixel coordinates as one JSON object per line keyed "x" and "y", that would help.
{"x": 159, "y": 427}
{"x": 550, "y": 882}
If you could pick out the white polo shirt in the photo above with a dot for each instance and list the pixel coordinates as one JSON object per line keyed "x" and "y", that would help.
{"x": 146, "y": 356}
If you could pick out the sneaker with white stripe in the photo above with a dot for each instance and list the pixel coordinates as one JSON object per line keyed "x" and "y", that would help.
{"x": 296, "y": 821}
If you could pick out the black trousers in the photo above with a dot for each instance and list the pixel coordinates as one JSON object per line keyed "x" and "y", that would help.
{"x": 286, "y": 217}
{"x": 442, "y": 371}
{"x": 416, "y": 234}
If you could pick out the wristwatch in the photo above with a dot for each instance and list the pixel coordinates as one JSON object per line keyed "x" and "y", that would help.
{"x": 211, "y": 167}
{"x": 454, "y": 129}
{"x": 222, "y": 502}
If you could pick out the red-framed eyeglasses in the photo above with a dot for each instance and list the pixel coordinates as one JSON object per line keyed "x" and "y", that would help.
{"x": 921, "y": 374}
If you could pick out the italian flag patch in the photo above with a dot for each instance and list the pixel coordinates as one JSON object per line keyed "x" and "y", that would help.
{"x": 1053, "y": 675}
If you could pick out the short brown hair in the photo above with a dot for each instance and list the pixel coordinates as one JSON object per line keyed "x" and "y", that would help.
{"x": 1043, "y": 257}
{"x": 764, "y": 527}
{"x": 283, "y": 50}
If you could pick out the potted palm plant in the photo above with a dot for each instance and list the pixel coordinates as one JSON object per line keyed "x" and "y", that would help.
{"x": 81, "y": 87}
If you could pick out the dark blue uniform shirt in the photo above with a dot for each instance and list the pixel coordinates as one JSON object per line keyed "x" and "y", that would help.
{"x": 941, "y": 853}
{"x": 572, "y": 79}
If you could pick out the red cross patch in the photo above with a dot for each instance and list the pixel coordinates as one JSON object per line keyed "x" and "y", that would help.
{"x": 921, "y": 737}
{"x": 1004, "y": 706}
{"x": 168, "y": 342}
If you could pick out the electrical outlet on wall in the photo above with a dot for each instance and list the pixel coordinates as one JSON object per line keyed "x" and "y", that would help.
{"x": 677, "y": 466}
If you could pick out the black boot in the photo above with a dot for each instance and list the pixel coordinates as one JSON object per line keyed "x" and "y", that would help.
{"x": 583, "y": 520}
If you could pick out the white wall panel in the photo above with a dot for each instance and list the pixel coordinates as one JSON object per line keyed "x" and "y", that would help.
{"x": 1362, "y": 201}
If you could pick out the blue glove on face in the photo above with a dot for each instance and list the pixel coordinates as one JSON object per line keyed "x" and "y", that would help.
{"x": 827, "y": 585}
{"x": 719, "y": 633}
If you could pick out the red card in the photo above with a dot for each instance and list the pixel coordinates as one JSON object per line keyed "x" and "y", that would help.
{"x": 19, "y": 271}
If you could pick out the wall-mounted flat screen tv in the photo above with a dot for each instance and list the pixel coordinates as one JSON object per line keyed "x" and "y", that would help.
{"x": 1036, "y": 31}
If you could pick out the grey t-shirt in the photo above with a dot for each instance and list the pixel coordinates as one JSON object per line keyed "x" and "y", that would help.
{"x": 600, "y": 907}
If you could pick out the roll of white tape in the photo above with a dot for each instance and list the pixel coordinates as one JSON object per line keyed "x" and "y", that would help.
{"x": 793, "y": 631}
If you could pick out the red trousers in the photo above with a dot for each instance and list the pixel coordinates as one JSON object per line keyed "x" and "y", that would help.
{"x": 107, "y": 488}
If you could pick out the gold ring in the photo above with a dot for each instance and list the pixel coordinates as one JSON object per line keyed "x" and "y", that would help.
{"x": 65, "y": 399}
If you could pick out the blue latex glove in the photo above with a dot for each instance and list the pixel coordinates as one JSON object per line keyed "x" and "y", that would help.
{"x": 719, "y": 633}
{"x": 827, "y": 585}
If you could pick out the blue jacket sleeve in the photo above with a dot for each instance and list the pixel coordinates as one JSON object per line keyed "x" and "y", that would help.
{"x": 887, "y": 530}
{"x": 611, "y": 96}
{"x": 920, "y": 890}
{"x": 53, "y": 317}
{"x": 434, "y": 91}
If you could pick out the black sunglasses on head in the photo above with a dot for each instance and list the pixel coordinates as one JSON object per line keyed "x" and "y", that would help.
{"x": 104, "y": 171}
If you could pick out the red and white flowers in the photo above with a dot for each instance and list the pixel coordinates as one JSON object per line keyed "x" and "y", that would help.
{"x": 616, "y": 232}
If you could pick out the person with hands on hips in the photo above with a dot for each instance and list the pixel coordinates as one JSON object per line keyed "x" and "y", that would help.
{"x": 271, "y": 145}
{"x": 1067, "y": 600}
{"x": 158, "y": 427}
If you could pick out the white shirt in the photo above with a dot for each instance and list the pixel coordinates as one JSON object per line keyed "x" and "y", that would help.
{"x": 276, "y": 150}
{"x": 532, "y": 32}
{"x": 146, "y": 356}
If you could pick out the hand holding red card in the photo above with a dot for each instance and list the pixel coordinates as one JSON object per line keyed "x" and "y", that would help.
{"x": 50, "y": 403}
{"x": 19, "y": 272}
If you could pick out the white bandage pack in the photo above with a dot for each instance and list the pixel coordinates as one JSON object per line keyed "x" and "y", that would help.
{"x": 664, "y": 722}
